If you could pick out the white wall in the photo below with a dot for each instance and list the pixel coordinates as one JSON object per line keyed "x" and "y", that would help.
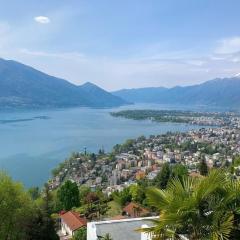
{"x": 66, "y": 229}
{"x": 91, "y": 231}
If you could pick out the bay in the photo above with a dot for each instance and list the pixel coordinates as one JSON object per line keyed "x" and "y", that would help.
{"x": 33, "y": 142}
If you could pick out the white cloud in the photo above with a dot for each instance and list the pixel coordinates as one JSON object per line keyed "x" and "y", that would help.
{"x": 64, "y": 55}
{"x": 137, "y": 70}
{"x": 228, "y": 45}
{"x": 114, "y": 73}
{"x": 42, "y": 19}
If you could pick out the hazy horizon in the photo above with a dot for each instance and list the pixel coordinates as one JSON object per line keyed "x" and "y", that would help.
{"x": 124, "y": 44}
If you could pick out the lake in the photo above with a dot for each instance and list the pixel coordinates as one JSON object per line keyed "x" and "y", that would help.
{"x": 32, "y": 143}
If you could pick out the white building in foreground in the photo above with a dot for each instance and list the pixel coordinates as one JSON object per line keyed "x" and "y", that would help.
{"x": 124, "y": 229}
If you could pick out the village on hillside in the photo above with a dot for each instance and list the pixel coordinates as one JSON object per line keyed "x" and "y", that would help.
{"x": 139, "y": 162}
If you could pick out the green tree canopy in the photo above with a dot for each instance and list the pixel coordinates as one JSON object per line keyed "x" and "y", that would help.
{"x": 203, "y": 168}
{"x": 137, "y": 193}
{"x": 68, "y": 195}
{"x": 34, "y": 192}
{"x": 83, "y": 192}
{"x": 123, "y": 197}
{"x": 161, "y": 180}
{"x": 179, "y": 171}
{"x": 15, "y": 208}
{"x": 20, "y": 217}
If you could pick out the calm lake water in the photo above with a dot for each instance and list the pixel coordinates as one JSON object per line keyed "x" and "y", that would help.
{"x": 32, "y": 143}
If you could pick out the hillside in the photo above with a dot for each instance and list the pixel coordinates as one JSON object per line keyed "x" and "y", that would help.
{"x": 217, "y": 92}
{"x": 101, "y": 97}
{"x": 22, "y": 86}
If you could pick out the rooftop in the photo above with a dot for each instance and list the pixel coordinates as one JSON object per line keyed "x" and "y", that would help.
{"x": 135, "y": 210}
{"x": 73, "y": 220}
{"x": 118, "y": 229}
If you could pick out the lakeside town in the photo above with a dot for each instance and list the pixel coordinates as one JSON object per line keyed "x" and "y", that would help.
{"x": 143, "y": 157}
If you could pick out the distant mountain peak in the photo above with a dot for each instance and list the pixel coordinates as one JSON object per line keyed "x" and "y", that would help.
{"x": 91, "y": 87}
{"x": 89, "y": 84}
{"x": 22, "y": 86}
{"x": 100, "y": 95}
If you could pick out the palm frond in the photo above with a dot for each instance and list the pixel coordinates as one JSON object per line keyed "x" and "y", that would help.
{"x": 158, "y": 198}
{"x": 222, "y": 226}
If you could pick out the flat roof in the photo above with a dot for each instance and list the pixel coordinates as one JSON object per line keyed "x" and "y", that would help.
{"x": 124, "y": 229}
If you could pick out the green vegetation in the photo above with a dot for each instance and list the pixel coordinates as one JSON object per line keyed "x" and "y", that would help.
{"x": 34, "y": 192}
{"x": 93, "y": 205}
{"x": 21, "y": 217}
{"x": 81, "y": 234}
{"x": 133, "y": 193}
{"x": 15, "y": 208}
{"x": 125, "y": 147}
{"x": 203, "y": 168}
{"x": 163, "y": 176}
{"x": 236, "y": 161}
{"x": 123, "y": 197}
{"x": 166, "y": 115}
{"x": 167, "y": 173}
{"x": 199, "y": 208}
{"x": 114, "y": 209}
{"x": 179, "y": 171}
{"x": 137, "y": 193}
{"x": 68, "y": 196}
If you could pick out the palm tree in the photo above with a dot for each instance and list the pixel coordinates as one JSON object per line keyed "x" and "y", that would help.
{"x": 199, "y": 208}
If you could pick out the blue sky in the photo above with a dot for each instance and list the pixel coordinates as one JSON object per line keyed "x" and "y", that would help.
{"x": 124, "y": 44}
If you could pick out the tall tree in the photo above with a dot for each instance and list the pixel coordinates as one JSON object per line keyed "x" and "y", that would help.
{"x": 203, "y": 168}
{"x": 68, "y": 195}
{"x": 48, "y": 231}
{"x": 161, "y": 180}
{"x": 40, "y": 227}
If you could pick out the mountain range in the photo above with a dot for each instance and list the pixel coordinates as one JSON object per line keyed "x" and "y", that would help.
{"x": 221, "y": 92}
{"x": 22, "y": 86}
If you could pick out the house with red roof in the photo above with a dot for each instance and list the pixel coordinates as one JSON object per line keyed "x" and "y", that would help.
{"x": 71, "y": 222}
{"x": 135, "y": 210}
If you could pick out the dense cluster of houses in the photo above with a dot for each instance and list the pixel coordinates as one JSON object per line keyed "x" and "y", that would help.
{"x": 149, "y": 156}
